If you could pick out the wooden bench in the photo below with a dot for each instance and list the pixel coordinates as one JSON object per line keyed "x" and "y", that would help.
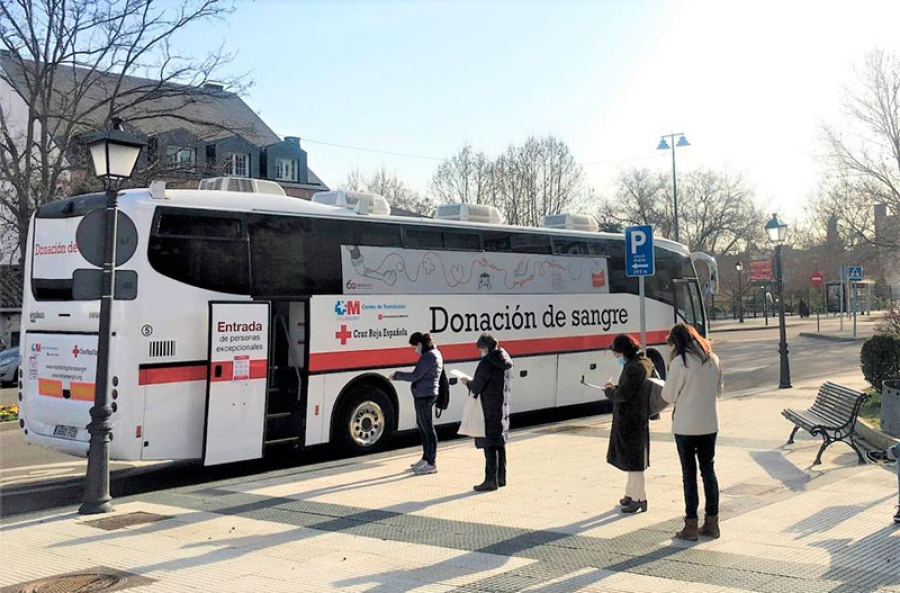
{"x": 832, "y": 415}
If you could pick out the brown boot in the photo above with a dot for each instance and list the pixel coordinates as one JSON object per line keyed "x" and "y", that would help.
{"x": 710, "y": 526}
{"x": 690, "y": 531}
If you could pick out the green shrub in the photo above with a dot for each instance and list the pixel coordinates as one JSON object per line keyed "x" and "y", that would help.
{"x": 880, "y": 359}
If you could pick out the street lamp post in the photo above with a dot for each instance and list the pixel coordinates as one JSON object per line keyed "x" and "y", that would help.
{"x": 663, "y": 145}
{"x": 114, "y": 153}
{"x": 776, "y": 230}
{"x": 740, "y": 268}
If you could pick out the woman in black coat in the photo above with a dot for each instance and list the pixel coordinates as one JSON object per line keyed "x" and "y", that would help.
{"x": 629, "y": 439}
{"x": 492, "y": 385}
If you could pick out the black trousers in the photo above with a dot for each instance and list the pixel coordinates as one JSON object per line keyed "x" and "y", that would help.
{"x": 495, "y": 464}
{"x": 425, "y": 424}
{"x": 694, "y": 449}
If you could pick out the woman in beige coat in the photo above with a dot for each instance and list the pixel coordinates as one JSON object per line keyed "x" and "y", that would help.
{"x": 693, "y": 386}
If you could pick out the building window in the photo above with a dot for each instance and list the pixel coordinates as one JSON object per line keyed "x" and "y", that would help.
{"x": 286, "y": 169}
{"x": 237, "y": 164}
{"x": 181, "y": 157}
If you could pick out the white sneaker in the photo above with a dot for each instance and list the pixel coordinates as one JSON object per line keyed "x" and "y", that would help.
{"x": 418, "y": 464}
{"x": 425, "y": 469}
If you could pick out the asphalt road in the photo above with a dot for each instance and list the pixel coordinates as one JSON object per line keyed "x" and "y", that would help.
{"x": 33, "y": 478}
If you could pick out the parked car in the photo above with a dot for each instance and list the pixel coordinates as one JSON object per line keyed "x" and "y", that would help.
{"x": 9, "y": 366}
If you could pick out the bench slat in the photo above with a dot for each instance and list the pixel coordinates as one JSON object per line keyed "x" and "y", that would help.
{"x": 834, "y": 408}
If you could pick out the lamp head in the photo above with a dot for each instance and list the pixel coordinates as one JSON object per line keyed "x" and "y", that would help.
{"x": 776, "y": 230}
{"x": 663, "y": 145}
{"x": 683, "y": 141}
{"x": 739, "y": 266}
{"x": 115, "y": 152}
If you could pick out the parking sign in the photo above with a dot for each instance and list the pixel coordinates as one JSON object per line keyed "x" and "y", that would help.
{"x": 639, "y": 257}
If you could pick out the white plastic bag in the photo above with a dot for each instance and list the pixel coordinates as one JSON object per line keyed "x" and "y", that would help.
{"x": 472, "y": 419}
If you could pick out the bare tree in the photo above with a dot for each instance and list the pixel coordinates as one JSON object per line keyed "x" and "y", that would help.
{"x": 640, "y": 198}
{"x": 716, "y": 211}
{"x": 837, "y": 217}
{"x": 866, "y": 155}
{"x": 68, "y": 67}
{"x": 467, "y": 177}
{"x": 389, "y": 185}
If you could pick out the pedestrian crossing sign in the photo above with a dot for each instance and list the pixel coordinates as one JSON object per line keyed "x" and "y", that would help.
{"x": 854, "y": 273}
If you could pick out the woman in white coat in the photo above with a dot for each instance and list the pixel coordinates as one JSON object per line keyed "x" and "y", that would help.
{"x": 693, "y": 386}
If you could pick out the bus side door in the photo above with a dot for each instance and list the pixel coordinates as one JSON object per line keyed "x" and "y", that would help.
{"x": 237, "y": 383}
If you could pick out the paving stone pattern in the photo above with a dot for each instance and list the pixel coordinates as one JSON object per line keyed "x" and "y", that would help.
{"x": 369, "y": 525}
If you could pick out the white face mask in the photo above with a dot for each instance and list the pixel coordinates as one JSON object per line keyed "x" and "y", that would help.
{"x": 483, "y": 351}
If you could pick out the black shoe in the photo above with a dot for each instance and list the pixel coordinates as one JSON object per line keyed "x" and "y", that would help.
{"x": 486, "y": 486}
{"x": 635, "y": 506}
{"x": 625, "y": 501}
{"x": 897, "y": 515}
{"x": 876, "y": 456}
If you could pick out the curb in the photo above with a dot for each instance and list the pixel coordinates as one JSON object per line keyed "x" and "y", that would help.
{"x": 831, "y": 338}
{"x": 751, "y": 327}
{"x": 874, "y": 437}
{"x": 9, "y": 425}
{"x": 714, "y": 330}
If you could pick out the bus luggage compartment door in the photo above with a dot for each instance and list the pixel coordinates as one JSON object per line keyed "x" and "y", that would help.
{"x": 237, "y": 382}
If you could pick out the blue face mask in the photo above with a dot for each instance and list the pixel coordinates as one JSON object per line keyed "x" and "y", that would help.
{"x": 621, "y": 360}
{"x": 418, "y": 350}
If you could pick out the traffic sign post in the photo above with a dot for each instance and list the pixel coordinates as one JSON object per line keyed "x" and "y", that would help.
{"x": 816, "y": 280}
{"x": 640, "y": 261}
{"x": 854, "y": 274}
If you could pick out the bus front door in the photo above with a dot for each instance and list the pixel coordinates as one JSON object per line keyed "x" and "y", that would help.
{"x": 689, "y": 305}
{"x": 237, "y": 382}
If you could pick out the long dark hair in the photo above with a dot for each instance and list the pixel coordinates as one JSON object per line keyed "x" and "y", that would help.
{"x": 418, "y": 338}
{"x": 684, "y": 338}
{"x": 626, "y": 345}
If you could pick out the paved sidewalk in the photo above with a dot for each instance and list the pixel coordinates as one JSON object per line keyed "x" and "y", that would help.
{"x": 829, "y": 324}
{"x": 368, "y": 525}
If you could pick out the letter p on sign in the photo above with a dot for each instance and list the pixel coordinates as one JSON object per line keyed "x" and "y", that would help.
{"x": 638, "y": 239}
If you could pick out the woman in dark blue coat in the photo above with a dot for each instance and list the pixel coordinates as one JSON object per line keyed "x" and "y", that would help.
{"x": 424, "y": 381}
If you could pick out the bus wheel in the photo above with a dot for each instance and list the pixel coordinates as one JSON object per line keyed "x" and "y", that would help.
{"x": 366, "y": 420}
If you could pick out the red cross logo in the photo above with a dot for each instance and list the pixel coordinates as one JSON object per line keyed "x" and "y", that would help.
{"x": 343, "y": 335}
{"x": 75, "y": 351}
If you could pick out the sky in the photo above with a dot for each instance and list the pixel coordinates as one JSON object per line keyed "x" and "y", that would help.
{"x": 750, "y": 84}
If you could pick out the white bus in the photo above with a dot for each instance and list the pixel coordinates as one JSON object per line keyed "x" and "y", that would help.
{"x": 245, "y": 320}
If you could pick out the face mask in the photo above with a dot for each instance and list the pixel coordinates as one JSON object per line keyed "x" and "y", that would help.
{"x": 483, "y": 351}
{"x": 418, "y": 350}
{"x": 621, "y": 360}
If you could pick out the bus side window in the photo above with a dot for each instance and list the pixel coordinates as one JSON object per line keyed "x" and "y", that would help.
{"x": 600, "y": 248}
{"x": 569, "y": 247}
{"x": 618, "y": 280}
{"x": 201, "y": 249}
{"x": 530, "y": 243}
{"x": 378, "y": 234}
{"x": 455, "y": 241}
{"x": 496, "y": 240}
{"x": 420, "y": 238}
{"x": 660, "y": 286}
{"x": 295, "y": 256}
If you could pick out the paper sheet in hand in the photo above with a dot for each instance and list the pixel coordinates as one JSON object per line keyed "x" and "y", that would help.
{"x": 459, "y": 374}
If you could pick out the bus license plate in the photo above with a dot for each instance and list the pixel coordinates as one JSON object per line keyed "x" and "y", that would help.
{"x": 66, "y": 432}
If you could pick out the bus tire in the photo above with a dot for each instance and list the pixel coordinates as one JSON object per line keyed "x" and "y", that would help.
{"x": 365, "y": 420}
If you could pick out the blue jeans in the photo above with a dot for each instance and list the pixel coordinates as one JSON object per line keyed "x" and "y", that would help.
{"x": 425, "y": 424}
{"x": 693, "y": 449}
